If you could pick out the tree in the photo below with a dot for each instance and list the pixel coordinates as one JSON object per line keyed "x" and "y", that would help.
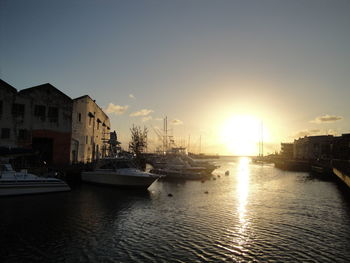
{"x": 138, "y": 143}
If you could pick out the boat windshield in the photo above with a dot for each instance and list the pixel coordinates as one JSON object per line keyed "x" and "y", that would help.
{"x": 6, "y": 168}
{"x": 118, "y": 164}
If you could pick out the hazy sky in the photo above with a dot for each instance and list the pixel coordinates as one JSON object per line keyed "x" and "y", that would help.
{"x": 198, "y": 62}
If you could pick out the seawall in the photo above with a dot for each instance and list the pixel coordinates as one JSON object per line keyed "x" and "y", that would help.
{"x": 342, "y": 176}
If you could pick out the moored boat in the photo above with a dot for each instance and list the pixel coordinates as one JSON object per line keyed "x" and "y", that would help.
{"x": 120, "y": 172}
{"x": 177, "y": 164}
{"x": 21, "y": 183}
{"x": 181, "y": 173}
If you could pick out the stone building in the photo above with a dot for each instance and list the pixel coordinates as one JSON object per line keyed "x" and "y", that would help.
{"x": 341, "y": 147}
{"x": 287, "y": 150}
{"x": 313, "y": 147}
{"x": 39, "y": 118}
{"x": 8, "y": 120}
{"x": 90, "y": 131}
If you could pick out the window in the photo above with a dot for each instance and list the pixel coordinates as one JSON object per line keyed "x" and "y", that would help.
{"x": 0, "y": 108}
{"x": 39, "y": 111}
{"x": 18, "y": 110}
{"x": 92, "y": 140}
{"x": 53, "y": 114}
{"x": 98, "y": 125}
{"x": 23, "y": 134}
{"x": 90, "y": 117}
{"x": 5, "y": 133}
{"x": 79, "y": 117}
{"x": 86, "y": 139}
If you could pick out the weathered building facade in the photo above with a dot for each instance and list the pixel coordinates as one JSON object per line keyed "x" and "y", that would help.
{"x": 313, "y": 147}
{"x": 341, "y": 147}
{"x": 287, "y": 150}
{"x": 8, "y": 122}
{"x": 90, "y": 131}
{"x": 39, "y": 118}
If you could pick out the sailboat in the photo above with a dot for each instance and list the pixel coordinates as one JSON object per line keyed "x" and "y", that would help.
{"x": 260, "y": 158}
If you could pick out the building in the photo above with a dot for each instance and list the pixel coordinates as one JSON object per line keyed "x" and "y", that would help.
{"x": 90, "y": 131}
{"x": 341, "y": 147}
{"x": 8, "y": 119}
{"x": 313, "y": 147}
{"x": 39, "y": 118}
{"x": 287, "y": 150}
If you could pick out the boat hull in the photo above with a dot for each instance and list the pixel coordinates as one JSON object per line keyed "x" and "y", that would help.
{"x": 181, "y": 174}
{"x": 24, "y": 188}
{"x": 120, "y": 180}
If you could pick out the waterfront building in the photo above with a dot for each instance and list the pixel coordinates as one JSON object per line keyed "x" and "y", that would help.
{"x": 341, "y": 147}
{"x": 90, "y": 131}
{"x": 38, "y": 118}
{"x": 7, "y": 121}
{"x": 313, "y": 147}
{"x": 287, "y": 150}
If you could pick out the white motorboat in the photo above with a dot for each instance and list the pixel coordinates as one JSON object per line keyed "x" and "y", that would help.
{"x": 181, "y": 173}
{"x": 119, "y": 172}
{"x": 177, "y": 164}
{"x": 207, "y": 167}
{"x": 20, "y": 183}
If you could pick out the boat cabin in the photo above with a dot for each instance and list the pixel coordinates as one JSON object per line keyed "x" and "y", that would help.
{"x": 6, "y": 167}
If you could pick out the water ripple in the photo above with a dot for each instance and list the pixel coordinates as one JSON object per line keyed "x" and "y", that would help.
{"x": 261, "y": 215}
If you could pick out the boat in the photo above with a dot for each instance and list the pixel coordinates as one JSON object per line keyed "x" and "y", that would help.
{"x": 120, "y": 172}
{"x": 208, "y": 167}
{"x": 202, "y": 156}
{"x": 181, "y": 173}
{"x": 183, "y": 167}
{"x": 21, "y": 183}
{"x": 261, "y": 159}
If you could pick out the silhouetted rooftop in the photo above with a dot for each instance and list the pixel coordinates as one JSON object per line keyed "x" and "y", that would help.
{"x": 7, "y": 86}
{"x": 46, "y": 86}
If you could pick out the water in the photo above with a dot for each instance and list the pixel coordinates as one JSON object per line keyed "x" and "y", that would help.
{"x": 256, "y": 214}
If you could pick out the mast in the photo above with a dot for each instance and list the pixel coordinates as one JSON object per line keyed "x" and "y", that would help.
{"x": 262, "y": 139}
{"x": 165, "y": 134}
{"x": 259, "y": 145}
{"x": 261, "y": 150}
{"x": 189, "y": 142}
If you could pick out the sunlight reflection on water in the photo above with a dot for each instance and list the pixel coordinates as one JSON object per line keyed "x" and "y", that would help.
{"x": 242, "y": 197}
{"x": 257, "y": 213}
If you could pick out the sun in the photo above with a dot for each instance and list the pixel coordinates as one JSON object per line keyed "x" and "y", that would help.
{"x": 241, "y": 135}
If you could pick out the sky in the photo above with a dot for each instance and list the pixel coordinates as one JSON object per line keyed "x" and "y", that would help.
{"x": 225, "y": 73}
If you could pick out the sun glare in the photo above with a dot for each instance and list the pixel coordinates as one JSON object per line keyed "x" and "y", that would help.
{"x": 241, "y": 135}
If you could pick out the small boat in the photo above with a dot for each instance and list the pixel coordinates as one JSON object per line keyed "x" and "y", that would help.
{"x": 120, "y": 172}
{"x": 181, "y": 173}
{"x": 206, "y": 166}
{"x": 21, "y": 183}
{"x": 178, "y": 165}
{"x": 202, "y": 156}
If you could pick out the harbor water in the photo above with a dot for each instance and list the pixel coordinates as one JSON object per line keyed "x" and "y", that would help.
{"x": 257, "y": 213}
